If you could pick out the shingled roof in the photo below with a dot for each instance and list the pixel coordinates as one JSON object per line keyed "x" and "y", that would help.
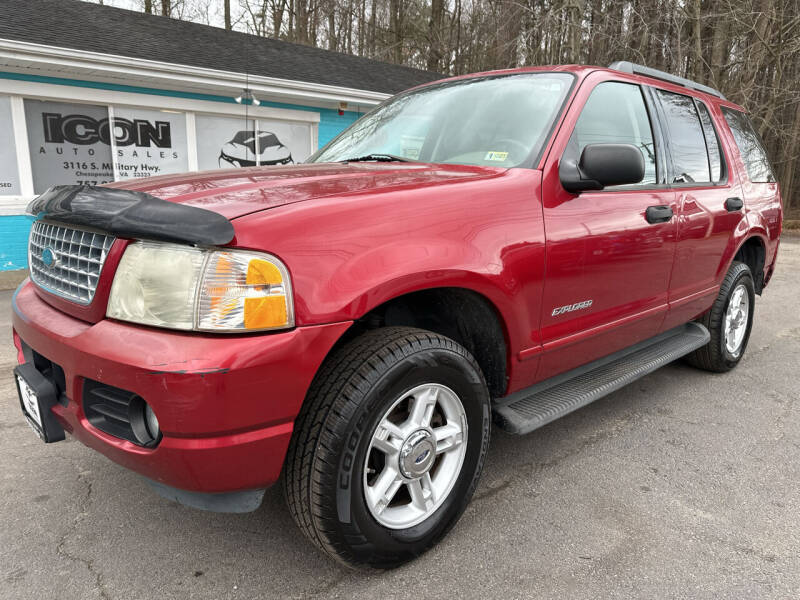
{"x": 108, "y": 30}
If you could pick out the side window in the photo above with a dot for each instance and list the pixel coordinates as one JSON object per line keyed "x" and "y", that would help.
{"x": 715, "y": 158}
{"x": 615, "y": 113}
{"x": 750, "y": 146}
{"x": 687, "y": 142}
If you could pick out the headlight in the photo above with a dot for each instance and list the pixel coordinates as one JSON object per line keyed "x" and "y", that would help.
{"x": 156, "y": 284}
{"x": 169, "y": 285}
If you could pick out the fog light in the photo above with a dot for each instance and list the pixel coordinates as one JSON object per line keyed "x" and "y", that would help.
{"x": 151, "y": 421}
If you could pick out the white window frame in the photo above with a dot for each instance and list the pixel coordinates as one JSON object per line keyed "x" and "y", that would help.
{"x": 18, "y": 91}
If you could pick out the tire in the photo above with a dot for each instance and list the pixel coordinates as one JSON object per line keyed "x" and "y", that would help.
{"x": 330, "y": 466}
{"x": 716, "y": 356}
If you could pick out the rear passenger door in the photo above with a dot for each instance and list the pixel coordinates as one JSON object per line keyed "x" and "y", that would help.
{"x": 709, "y": 203}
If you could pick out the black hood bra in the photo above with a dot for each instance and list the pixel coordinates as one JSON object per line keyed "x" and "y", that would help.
{"x": 130, "y": 214}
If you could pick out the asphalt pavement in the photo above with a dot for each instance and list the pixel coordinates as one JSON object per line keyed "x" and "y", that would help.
{"x": 683, "y": 485}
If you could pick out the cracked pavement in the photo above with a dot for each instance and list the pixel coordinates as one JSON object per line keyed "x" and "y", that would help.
{"x": 684, "y": 484}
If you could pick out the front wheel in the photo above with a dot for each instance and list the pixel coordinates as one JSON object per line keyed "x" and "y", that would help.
{"x": 389, "y": 446}
{"x": 729, "y": 321}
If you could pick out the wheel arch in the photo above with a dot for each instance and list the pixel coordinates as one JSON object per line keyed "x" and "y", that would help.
{"x": 752, "y": 251}
{"x": 461, "y": 313}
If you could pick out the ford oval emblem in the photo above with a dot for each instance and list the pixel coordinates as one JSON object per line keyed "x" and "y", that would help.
{"x": 49, "y": 258}
{"x": 422, "y": 457}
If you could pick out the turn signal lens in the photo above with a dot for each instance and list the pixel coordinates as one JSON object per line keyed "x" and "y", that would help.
{"x": 244, "y": 290}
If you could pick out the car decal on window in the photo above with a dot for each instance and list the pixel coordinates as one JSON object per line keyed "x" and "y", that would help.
{"x": 241, "y": 150}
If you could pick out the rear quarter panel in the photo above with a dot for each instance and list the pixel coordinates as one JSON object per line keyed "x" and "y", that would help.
{"x": 763, "y": 203}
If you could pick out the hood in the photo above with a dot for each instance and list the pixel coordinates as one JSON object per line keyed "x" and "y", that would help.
{"x": 237, "y": 192}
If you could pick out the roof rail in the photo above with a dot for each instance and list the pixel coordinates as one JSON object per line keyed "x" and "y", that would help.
{"x": 629, "y": 67}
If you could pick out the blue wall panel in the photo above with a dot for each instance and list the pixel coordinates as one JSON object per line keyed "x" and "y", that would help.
{"x": 331, "y": 123}
{"x": 14, "y": 232}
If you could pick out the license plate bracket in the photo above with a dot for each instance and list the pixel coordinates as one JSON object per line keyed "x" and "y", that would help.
{"x": 37, "y": 394}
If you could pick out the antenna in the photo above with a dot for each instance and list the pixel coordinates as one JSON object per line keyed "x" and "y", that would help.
{"x": 247, "y": 96}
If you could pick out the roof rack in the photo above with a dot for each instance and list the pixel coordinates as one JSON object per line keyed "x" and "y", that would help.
{"x": 629, "y": 67}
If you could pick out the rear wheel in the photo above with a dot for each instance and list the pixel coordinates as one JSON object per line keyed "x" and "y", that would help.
{"x": 729, "y": 321}
{"x": 389, "y": 446}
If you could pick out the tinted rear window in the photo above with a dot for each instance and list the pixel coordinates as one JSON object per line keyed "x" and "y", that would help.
{"x": 750, "y": 147}
{"x": 687, "y": 142}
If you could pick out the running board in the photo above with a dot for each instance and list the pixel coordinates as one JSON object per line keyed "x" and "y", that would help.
{"x": 538, "y": 405}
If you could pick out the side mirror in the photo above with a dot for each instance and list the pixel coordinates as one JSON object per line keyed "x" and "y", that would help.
{"x": 601, "y": 165}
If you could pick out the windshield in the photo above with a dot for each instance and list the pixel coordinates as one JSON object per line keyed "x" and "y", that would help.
{"x": 490, "y": 121}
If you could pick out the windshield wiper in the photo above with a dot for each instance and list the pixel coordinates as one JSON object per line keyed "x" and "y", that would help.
{"x": 378, "y": 157}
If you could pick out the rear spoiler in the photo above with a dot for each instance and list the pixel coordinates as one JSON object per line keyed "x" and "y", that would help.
{"x": 130, "y": 214}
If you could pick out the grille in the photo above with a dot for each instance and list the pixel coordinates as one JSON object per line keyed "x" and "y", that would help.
{"x": 67, "y": 261}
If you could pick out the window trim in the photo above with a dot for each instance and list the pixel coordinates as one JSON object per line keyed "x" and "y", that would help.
{"x": 658, "y": 125}
{"x": 723, "y": 157}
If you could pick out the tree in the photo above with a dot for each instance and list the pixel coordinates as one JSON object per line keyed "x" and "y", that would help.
{"x": 435, "y": 35}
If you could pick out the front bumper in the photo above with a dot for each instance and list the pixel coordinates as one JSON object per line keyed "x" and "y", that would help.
{"x": 226, "y": 403}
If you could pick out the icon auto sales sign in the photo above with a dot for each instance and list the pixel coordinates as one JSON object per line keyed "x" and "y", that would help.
{"x": 83, "y": 130}
{"x": 75, "y": 146}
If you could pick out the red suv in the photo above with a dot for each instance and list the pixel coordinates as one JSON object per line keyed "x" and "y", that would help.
{"x": 512, "y": 244}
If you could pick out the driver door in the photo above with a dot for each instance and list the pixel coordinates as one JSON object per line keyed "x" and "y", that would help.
{"x": 607, "y": 266}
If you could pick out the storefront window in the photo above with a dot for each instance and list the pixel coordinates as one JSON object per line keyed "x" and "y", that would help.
{"x": 9, "y": 172}
{"x": 69, "y": 144}
{"x": 296, "y": 137}
{"x": 149, "y": 142}
{"x": 225, "y": 142}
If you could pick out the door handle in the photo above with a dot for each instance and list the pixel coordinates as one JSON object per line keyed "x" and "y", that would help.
{"x": 733, "y": 204}
{"x": 658, "y": 214}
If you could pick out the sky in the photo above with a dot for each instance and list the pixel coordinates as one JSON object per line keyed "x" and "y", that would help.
{"x": 209, "y": 12}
